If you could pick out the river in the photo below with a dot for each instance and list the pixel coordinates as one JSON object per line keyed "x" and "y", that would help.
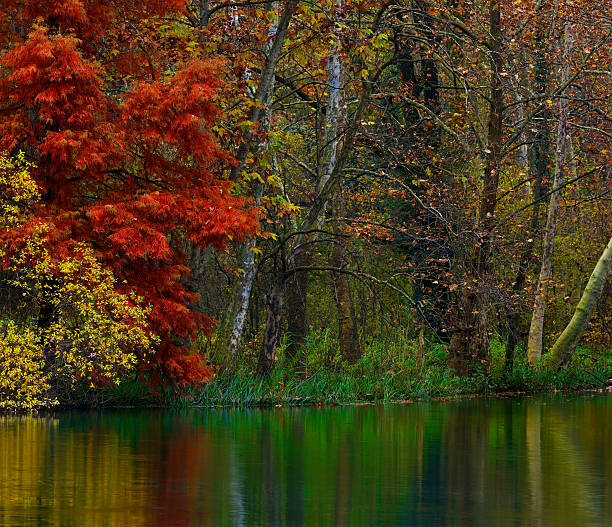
{"x": 544, "y": 461}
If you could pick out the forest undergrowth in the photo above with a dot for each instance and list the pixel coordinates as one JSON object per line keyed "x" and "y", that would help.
{"x": 392, "y": 370}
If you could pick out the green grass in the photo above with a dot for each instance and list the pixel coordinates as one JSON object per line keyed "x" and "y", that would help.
{"x": 389, "y": 371}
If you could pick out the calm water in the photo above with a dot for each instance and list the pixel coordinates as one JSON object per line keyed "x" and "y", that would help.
{"x": 528, "y": 462}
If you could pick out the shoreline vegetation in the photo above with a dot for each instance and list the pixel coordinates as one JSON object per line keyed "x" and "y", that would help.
{"x": 384, "y": 374}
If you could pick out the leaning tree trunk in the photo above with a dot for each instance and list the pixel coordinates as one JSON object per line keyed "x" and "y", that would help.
{"x": 266, "y": 83}
{"x": 534, "y": 344}
{"x": 563, "y": 348}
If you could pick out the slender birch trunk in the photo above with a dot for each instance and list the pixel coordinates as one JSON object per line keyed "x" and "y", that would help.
{"x": 302, "y": 255}
{"x": 563, "y": 348}
{"x": 534, "y": 344}
{"x": 263, "y": 98}
{"x": 244, "y": 295}
{"x": 347, "y": 329}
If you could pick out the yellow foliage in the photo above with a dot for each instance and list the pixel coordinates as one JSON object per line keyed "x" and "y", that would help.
{"x": 93, "y": 333}
{"x": 23, "y": 384}
{"x": 17, "y": 189}
{"x": 597, "y": 332}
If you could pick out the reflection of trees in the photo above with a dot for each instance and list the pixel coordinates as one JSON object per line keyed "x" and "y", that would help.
{"x": 269, "y": 475}
{"x": 467, "y": 436}
{"x": 342, "y": 502}
{"x": 24, "y": 445}
{"x": 582, "y": 494}
{"x": 295, "y": 468}
{"x": 533, "y": 429}
{"x": 183, "y": 467}
{"x": 593, "y": 434}
{"x": 463, "y": 464}
{"x": 58, "y": 472}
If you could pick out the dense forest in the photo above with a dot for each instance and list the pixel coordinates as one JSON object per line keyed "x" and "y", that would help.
{"x": 261, "y": 201}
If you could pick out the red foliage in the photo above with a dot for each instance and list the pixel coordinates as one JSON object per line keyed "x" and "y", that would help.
{"x": 127, "y": 163}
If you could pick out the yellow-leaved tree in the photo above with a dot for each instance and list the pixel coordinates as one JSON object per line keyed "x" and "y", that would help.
{"x": 96, "y": 334}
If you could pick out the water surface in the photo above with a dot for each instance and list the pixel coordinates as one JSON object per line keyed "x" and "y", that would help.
{"x": 532, "y": 462}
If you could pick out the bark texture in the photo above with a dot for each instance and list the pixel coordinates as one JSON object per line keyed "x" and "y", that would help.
{"x": 347, "y": 328}
{"x": 470, "y": 341}
{"x": 563, "y": 348}
{"x": 264, "y": 95}
{"x": 267, "y": 354}
{"x": 297, "y": 301}
{"x": 534, "y": 344}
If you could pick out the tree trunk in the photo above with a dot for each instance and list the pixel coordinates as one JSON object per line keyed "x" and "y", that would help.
{"x": 541, "y": 139}
{"x": 296, "y": 303}
{"x": 297, "y": 308}
{"x": 204, "y": 17}
{"x": 534, "y": 345}
{"x": 470, "y": 340}
{"x": 267, "y": 355}
{"x": 264, "y": 94}
{"x": 266, "y": 83}
{"x": 347, "y": 329}
{"x": 563, "y": 348}
{"x": 525, "y": 259}
{"x": 243, "y": 300}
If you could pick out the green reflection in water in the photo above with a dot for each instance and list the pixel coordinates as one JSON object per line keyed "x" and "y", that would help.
{"x": 535, "y": 462}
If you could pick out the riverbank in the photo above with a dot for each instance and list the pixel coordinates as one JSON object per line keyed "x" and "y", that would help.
{"x": 380, "y": 376}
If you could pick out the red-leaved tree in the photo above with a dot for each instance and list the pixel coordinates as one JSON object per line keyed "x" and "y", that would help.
{"x": 119, "y": 128}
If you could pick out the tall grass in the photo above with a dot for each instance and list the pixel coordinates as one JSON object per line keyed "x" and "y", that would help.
{"x": 392, "y": 369}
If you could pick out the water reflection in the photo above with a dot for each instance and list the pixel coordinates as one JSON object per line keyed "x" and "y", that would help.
{"x": 534, "y": 462}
